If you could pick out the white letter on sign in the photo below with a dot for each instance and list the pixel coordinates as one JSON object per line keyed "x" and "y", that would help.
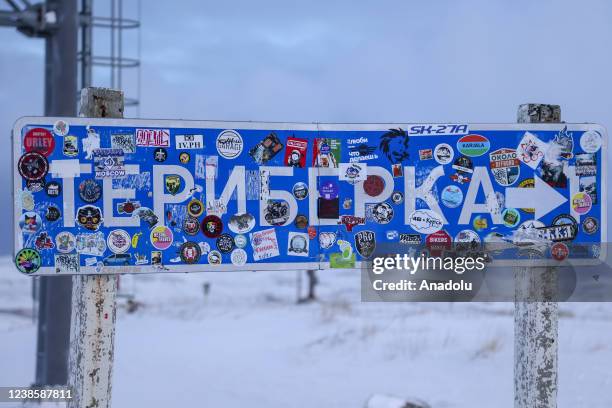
{"x": 160, "y": 198}
{"x": 423, "y": 192}
{"x": 67, "y": 172}
{"x": 109, "y": 194}
{"x": 361, "y": 198}
{"x": 481, "y": 176}
{"x": 235, "y": 181}
{"x": 267, "y": 194}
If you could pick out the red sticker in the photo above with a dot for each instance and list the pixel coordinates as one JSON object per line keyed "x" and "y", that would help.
{"x": 559, "y": 251}
{"x": 212, "y": 226}
{"x": 374, "y": 185}
{"x": 350, "y": 221}
{"x": 438, "y": 242}
{"x": 295, "y": 152}
{"x": 312, "y": 232}
{"x": 39, "y": 140}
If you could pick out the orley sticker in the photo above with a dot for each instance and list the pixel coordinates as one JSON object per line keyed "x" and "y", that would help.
{"x": 39, "y": 140}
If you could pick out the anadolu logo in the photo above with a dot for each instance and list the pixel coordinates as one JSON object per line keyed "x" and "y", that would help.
{"x": 473, "y": 145}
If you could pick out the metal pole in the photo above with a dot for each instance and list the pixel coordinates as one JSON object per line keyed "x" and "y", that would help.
{"x": 536, "y": 312}
{"x": 86, "y": 43}
{"x": 60, "y": 100}
{"x": 94, "y": 310}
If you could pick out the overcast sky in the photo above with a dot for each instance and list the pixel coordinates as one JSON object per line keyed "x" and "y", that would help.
{"x": 342, "y": 61}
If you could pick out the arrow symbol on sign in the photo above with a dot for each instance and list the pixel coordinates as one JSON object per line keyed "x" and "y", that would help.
{"x": 543, "y": 198}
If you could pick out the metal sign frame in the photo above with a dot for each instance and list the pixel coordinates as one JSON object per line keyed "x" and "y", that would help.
{"x": 307, "y": 127}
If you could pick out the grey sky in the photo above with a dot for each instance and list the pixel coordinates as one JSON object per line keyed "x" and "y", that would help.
{"x": 397, "y": 61}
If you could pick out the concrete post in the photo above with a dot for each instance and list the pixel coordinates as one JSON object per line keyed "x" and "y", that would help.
{"x": 536, "y": 312}
{"x": 92, "y": 334}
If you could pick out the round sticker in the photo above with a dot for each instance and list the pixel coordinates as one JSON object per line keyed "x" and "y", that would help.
{"x": 582, "y": 203}
{"x": 467, "y": 240}
{"x": 229, "y": 144}
{"x": 473, "y": 145}
{"x": 195, "y": 208}
{"x": 211, "y": 226}
{"x": 65, "y": 242}
{"x": 191, "y": 225}
{"x": 90, "y": 190}
{"x": 119, "y": 241}
{"x": 53, "y": 189}
{"x": 238, "y": 257}
{"x": 590, "y": 225}
{"x": 160, "y": 154}
{"x": 452, "y": 196}
{"x": 215, "y": 258}
{"x": 397, "y": 197}
{"x": 30, "y": 222}
{"x": 184, "y": 157}
{"x": 511, "y": 217}
{"x": 28, "y": 260}
{"x": 33, "y": 166}
{"x": 591, "y": 141}
{"x": 382, "y": 213}
{"x": 161, "y": 237}
{"x": 329, "y": 190}
{"x": 444, "y": 153}
{"x": 36, "y": 185}
{"x": 241, "y": 223}
{"x": 300, "y": 191}
{"x": 53, "y": 213}
{"x": 39, "y": 140}
{"x": 373, "y": 185}
{"x": 480, "y": 223}
{"x": 301, "y": 221}
{"x": 225, "y": 243}
{"x": 240, "y": 241}
{"x": 559, "y": 251}
{"x": 61, "y": 128}
{"x": 566, "y": 219}
{"x": 190, "y": 252}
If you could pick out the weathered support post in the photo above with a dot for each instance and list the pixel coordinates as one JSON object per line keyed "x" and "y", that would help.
{"x": 536, "y": 312}
{"x": 92, "y": 334}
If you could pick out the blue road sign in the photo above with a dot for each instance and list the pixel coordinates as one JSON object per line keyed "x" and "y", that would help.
{"x": 133, "y": 196}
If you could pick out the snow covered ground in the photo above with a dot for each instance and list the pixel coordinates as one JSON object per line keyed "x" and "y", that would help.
{"x": 248, "y": 344}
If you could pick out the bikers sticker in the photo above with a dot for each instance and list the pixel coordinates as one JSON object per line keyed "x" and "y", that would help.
{"x": 437, "y": 242}
{"x": 505, "y": 166}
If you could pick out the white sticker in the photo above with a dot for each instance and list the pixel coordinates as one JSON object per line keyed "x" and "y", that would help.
{"x": 591, "y": 141}
{"x": 425, "y": 221}
{"x": 297, "y": 244}
{"x": 188, "y": 142}
{"x": 61, "y": 128}
{"x": 229, "y": 144}
{"x": 531, "y": 150}
{"x": 353, "y": 172}
{"x": 265, "y": 244}
{"x": 238, "y": 257}
{"x": 444, "y": 153}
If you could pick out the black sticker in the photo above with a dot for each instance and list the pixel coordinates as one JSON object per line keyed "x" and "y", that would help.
{"x": 160, "y": 154}
{"x": 225, "y": 243}
{"x": 90, "y": 190}
{"x": 54, "y": 189}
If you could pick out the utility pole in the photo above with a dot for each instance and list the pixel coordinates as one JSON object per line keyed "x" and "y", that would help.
{"x": 536, "y": 311}
{"x": 60, "y": 100}
{"x": 94, "y": 309}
